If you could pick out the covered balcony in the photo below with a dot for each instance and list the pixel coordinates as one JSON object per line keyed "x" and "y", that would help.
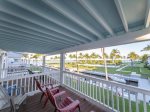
{"x": 52, "y": 27}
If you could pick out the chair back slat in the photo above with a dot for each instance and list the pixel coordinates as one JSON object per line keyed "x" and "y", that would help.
{"x": 50, "y": 97}
{"x": 38, "y": 85}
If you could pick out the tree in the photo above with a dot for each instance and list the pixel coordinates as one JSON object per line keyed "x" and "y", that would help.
{"x": 26, "y": 56}
{"x": 94, "y": 56}
{"x": 36, "y": 56}
{"x": 115, "y": 54}
{"x": 57, "y": 57}
{"x": 86, "y": 56}
{"x": 106, "y": 55}
{"x": 147, "y": 48}
{"x": 72, "y": 56}
{"x": 133, "y": 56}
{"x": 144, "y": 58}
{"x": 80, "y": 55}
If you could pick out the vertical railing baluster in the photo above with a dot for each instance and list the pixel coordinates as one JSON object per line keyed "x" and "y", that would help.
{"x": 144, "y": 103}
{"x": 108, "y": 95}
{"x": 100, "y": 92}
{"x": 82, "y": 86}
{"x": 32, "y": 84}
{"x": 112, "y": 97}
{"x": 16, "y": 87}
{"x": 11, "y": 87}
{"x": 87, "y": 87}
{"x": 29, "y": 84}
{"x": 7, "y": 85}
{"x": 79, "y": 85}
{"x": 137, "y": 105}
{"x": 21, "y": 86}
{"x": 96, "y": 93}
{"x": 44, "y": 79}
{"x": 90, "y": 89}
{"x": 35, "y": 88}
{"x": 130, "y": 110}
{"x": 25, "y": 85}
{"x": 93, "y": 89}
{"x": 123, "y": 102}
{"x": 103, "y": 93}
{"x": 117, "y": 95}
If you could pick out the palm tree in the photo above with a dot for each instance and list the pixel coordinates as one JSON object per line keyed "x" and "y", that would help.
{"x": 71, "y": 56}
{"x": 93, "y": 55}
{"x": 115, "y": 53}
{"x": 26, "y": 56}
{"x": 106, "y": 55}
{"x": 87, "y": 57}
{"x": 36, "y": 56}
{"x": 57, "y": 57}
{"x": 80, "y": 56}
{"x": 147, "y": 48}
{"x": 133, "y": 56}
{"x": 144, "y": 58}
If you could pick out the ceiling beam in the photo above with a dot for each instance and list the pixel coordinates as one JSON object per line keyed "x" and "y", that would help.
{"x": 30, "y": 40}
{"x": 45, "y": 34}
{"x": 53, "y": 19}
{"x": 12, "y": 37}
{"x": 122, "y": 14}
{"x": 147, "y": 18}
{"x": 126, "y": 38}
{"x": 8, "y": 40}
{"x": 99, "y": 18}
{"x": 32, "y": 36}
{"x": 34, "y": 21}
{"x": 72, "y": 16}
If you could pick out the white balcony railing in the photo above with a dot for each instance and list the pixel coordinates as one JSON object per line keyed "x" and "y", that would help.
{"x": 116, "y": 96}
{"x": 19, "y": 85}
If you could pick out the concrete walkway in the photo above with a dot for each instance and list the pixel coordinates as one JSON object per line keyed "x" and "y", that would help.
{"x": 120, "y": 69}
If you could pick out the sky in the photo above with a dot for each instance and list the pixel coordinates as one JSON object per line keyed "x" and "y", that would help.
{"x": 124, "y": 49}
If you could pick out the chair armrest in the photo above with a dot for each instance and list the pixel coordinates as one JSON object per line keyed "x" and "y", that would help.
{"x": 59, "y": 94}
{"x": 55, "y": 90}
{"x": 71, "y": 106}
{"x": 45, "y": 85}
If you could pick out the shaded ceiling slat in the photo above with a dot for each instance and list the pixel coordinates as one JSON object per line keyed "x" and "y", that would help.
{"x": 99, "y": 18}
{"x": 147, "y": 17}
{"x": 55, "y": 20}
{"x": 72, "y": 16}
{"x": 28, "y": 17}
{"x": 18, "y": 39}
{"x": 32, "y": 38}
{"x": 14, "y": 42}
{"x": 37, "y": 30}
{"x": 36, "y": 37}
{"x": 121, "y": 13}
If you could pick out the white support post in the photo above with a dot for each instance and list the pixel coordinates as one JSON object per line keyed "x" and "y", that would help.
{"x": 62, "y": 67}
{"x": 105, "y": 63}
{"x": 0, "y": 66}
{"x": 43, "y": 64}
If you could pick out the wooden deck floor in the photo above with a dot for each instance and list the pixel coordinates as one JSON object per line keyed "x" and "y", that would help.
{"x": 33, "y": 104}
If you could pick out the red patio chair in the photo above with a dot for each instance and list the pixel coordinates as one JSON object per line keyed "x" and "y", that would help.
{"x": 42, "y": 88}
{"x": 64, "y": 105}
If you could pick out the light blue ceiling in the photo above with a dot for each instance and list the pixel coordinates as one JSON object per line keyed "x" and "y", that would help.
{"x": 45, "y": 26}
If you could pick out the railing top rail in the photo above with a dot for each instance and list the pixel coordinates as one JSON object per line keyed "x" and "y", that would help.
{"x": 124, "y": 86}
{"x": 20, "y": 77}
